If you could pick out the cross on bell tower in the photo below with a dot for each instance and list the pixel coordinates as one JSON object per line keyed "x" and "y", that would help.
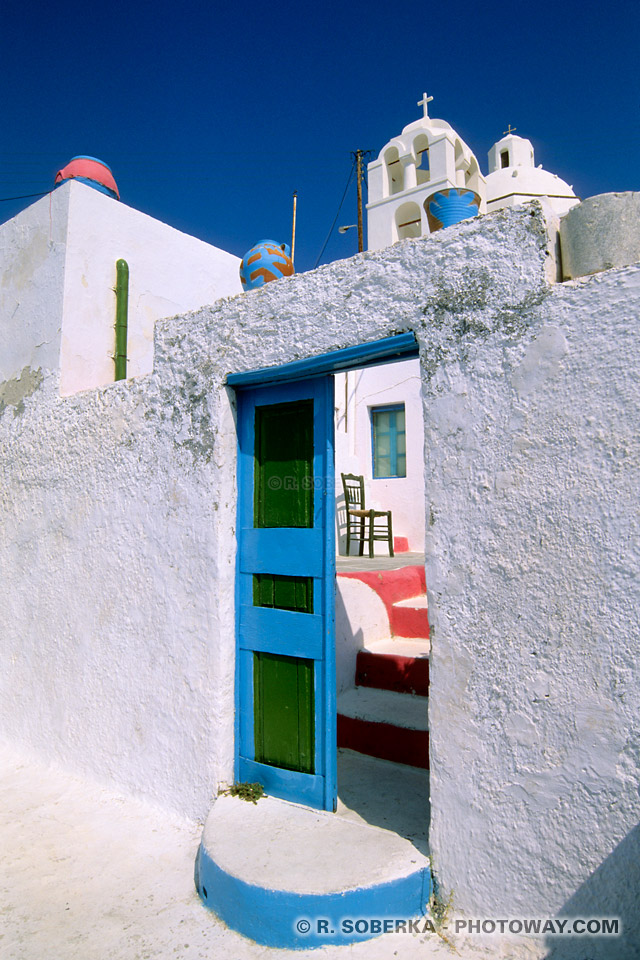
{"x": 423, "y": 103}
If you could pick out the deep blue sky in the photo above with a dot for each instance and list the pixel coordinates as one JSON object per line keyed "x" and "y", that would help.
{"x": 211, "y": 115}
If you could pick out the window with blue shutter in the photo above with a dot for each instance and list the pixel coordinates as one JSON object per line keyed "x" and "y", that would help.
{"x": 389, "y": 441}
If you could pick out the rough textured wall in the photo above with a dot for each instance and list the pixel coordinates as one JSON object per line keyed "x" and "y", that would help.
{"x": 531, "y": 451}
{"x": 32, "y": 257}
{"x": 533, "y": 460}
{"x": 109, "y": 602}
{"x": 119, "y": 512}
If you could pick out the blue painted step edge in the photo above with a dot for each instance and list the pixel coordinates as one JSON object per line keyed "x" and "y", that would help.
{"x": 280, "y": 918}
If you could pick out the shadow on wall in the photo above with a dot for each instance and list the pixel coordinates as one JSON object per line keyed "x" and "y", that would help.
{"x": 348, "y": 642}
{"x": 341, "y": 526}
{"x": 613, "y": 890}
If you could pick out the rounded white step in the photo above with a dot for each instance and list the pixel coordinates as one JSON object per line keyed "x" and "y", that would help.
{"x": 272, "y": 870}
{"x": 413, "y": 603}
{"x": 385, "y": 706}
{"x": 417, "y": 647}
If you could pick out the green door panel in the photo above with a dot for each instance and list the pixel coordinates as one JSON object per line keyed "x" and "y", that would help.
{"x": 284, "y": 711}
{"x": 283, "y": 592}
{"x": 283, "y": 490}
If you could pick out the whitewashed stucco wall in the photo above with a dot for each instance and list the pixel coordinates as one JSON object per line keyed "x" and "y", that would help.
{"x": 531, "y": 463}
{"x": 533, "y": 575}
{"x": 169, "y": 272}
{"x": 118, "y": 512}
{"x": 111, "y": 588}
{"x": 32, "y": 257}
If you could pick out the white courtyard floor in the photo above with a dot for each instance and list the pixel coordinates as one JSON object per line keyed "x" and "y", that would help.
{"x": 90, "y": 874}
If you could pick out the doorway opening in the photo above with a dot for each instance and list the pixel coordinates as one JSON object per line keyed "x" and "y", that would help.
{"x": 287, "y": 561}
{"x": 382, "y": 627}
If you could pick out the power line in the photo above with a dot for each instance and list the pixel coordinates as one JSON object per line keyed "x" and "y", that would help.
{"x": 335, "y": 219}
{"x": 25, "y": 196}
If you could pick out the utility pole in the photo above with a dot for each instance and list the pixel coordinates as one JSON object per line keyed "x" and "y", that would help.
{"x": 359, "y": 155}
{"x": 293, "y": 228}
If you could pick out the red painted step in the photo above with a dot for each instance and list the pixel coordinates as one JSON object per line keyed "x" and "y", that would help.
{"x": 385, "y": 741}
{"x": 391, "y": 672}
{"x": 384, "y": 724}
{"x": 409, "y": 618}
{"x": 393, "y": 586}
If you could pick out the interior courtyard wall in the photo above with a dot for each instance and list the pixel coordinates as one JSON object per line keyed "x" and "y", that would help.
{"x": 385, "y": 385}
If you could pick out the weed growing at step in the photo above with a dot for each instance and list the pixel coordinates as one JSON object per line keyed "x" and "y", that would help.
{"x": 246, "y": 791}
{"x": 440, "y": 909}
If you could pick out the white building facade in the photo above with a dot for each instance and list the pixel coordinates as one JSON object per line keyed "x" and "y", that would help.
{"x": 393, "y": 391}
{"x": 57, "y": 297}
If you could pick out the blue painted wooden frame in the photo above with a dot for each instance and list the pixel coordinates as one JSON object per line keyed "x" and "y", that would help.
{"x": 403, "y": 346}
{"x": 300, "y": 552}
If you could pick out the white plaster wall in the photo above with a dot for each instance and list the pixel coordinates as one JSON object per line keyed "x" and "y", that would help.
{"x": 532, "y": 466}
{"x": 118, "y": 516}
{"x": 531, "y": 414}
{"x": 32, "y": 255}
{"x": 559, "y": 205}
{"x": 404, "y": 496}
{"x": 381, "y": 217}
{"x": 533, "y": 574}
{"x": 169, "y": 273}
{"x": 110, "y": 567}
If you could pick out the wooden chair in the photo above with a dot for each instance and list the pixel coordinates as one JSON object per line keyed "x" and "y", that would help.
{"x": 379, "y": 526}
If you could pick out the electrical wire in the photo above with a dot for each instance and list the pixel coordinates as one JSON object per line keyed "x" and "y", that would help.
{"x": 25, "y": 196}
{"x": 335, "y": 219}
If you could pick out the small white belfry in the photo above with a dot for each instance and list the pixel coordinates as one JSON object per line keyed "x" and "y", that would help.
{"x": 514, "y": 178}
{"x": 427, "y": 157}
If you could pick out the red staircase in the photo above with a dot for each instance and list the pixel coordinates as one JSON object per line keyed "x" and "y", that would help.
{"x": 385, "y": 714}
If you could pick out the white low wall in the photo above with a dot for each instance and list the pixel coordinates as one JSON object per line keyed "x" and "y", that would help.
{"x": 361, "y": 617}
{"x": 118, "y": 549}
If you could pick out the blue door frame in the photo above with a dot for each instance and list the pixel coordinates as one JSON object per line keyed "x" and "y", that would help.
{"x": 300, "y": 552}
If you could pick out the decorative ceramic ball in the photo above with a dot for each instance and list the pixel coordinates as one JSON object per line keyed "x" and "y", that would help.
{"x": 91, "y": 171}
{"x": 266, "y": 261}
{"x": 449, "y": 206}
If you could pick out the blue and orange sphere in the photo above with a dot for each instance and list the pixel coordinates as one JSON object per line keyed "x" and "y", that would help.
{"x": 449, "y": 206}
{"x": 266, "y": 261}
{"x": 91, "y": 171}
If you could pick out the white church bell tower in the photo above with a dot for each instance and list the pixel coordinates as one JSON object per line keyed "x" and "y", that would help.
{"x": 426, "y": 159}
